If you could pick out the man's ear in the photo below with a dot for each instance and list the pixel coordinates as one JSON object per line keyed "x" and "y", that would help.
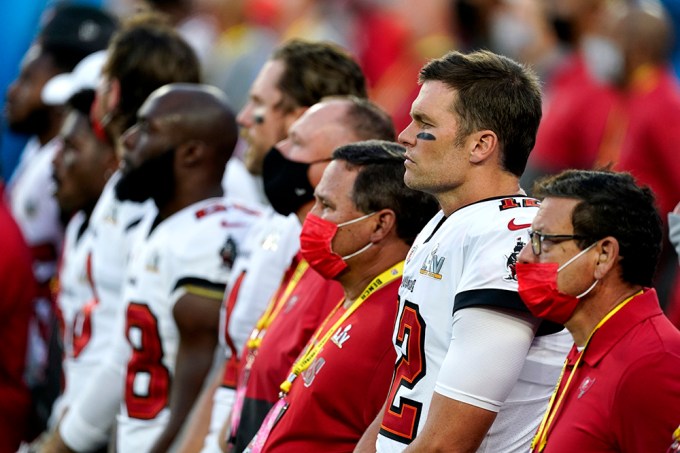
{"x": 385, "y": 222}
{"x": 113, "y": 94}
{"x": 608, "y": 256}
{"x": 191, "y": 152}
{"x": 483, "y": 144}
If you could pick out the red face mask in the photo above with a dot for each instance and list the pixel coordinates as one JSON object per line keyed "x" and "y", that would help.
{"x": 538, "y": 289}
{"x": 316, "y": 239}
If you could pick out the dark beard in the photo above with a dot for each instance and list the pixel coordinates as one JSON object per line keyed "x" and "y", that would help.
{"x": 33, "y": 124}
{"x": 153, "y": 179}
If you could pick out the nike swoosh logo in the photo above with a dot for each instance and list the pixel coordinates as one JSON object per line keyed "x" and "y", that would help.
{"x": 512, "y": 226}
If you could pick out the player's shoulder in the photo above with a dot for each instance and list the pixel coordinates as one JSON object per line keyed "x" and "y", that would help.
{"x": 238, "y": 211}
{"x": 494, "y": 216}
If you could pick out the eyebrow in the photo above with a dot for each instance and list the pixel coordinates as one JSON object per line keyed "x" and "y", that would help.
{"x": 323, "y": 199}
{"x": 421, "y": 117}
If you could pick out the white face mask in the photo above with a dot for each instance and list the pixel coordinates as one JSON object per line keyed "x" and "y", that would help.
{"x": 604, "y": 59}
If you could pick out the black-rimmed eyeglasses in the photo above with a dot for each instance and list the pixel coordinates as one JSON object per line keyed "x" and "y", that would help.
{"x": 537, "y": 239}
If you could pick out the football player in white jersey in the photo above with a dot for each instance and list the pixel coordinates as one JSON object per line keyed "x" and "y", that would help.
{"x": 175, "y": 154}
{"x": 296, "y": 76}
{"x": 81, "y": 167}
{"x": 474, "y": 369}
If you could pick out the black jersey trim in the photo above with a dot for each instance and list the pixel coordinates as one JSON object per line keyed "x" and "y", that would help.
{"x": 503, "y": 299}
{"x": 133, "y": 224}
{"x": 201, "y": 283}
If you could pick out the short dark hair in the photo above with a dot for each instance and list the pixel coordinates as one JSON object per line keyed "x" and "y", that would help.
{"x": 612, "y": 204}
{"x": 366, "y": 119}
{"x": 314, "y": 70}
{"x": 81, "y": 101}
{"x": 144, "y": 55}
{"x": 380, "y": 185}
{"x": 496, "y": 93}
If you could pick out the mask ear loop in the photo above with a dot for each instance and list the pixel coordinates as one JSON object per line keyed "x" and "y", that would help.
{"x": 577, "y": 256}
{"x": 574, "y": 258}
{"x": 358, "y": 219}
{"x": 349, "y": 222}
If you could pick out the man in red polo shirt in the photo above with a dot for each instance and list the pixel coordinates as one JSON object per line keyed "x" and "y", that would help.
{"x": 358, "y": 233}
{"x": 593, "y": 249}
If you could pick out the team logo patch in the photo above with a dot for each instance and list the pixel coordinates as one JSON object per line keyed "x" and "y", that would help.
{"x": 290, "y": 303}
{"x": 341, "y": 335}
{"x": 271, "y": 242}
{"x": 433, "y": 264}
{"x": 514, "y": 226}
{"x": 408, "y": 283}
{"x": 310, "y": 373}
{"x": 228, "y": 252}
{"x": 410, "y": 253}
{"x": 511, "y": 261}
{"x": 585, "y": 386}
{"x": 152, "y": 263}
{"x": 112, "y": 216}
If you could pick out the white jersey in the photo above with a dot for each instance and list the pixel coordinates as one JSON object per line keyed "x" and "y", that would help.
{"x": 240, "y": 184}
{"x": 273, "y": 242}
{"x": 187, "y": 252}
{"x": 74, "y": 287}
{"x": 31, "y": 197}
{"x": 466, "y": 260}
{"x": 75, "y": 291}
{"x": 93, "y": 268}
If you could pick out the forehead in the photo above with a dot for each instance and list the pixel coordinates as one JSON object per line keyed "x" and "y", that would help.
{"x": 337, "y": 181}
{"x": 36, "y": 61}
{"x": 434, "y": 100}
{"x": 75, "y": 124}
{"x": 318, "y": 116}
{"x": 161, "y": 105}
{"x": 554, "y": 215}
{"x": 266, "y": 82}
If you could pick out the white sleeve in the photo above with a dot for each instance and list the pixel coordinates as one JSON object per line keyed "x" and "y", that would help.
{"x": 87, "y": 424}
{"x": 674, "y": 231}
{"x": 485, "y": 357}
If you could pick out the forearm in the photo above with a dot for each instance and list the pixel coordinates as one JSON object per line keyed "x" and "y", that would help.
{"x": 199, "y": 423}
{"x": 87, "y": 424}
{"x": 453, "y": 427}
{"x": 190, "y": 375}
{"x": 367, "y": 442}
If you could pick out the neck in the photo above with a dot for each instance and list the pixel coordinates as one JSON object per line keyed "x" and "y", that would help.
{"x": 595, "y": 308}
{"x": 357, "y": 276}
{"x": 477, "y": 188}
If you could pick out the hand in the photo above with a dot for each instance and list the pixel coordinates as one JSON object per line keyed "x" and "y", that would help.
{"x": 677, "y": 209}
{"x": 54, "y": 444}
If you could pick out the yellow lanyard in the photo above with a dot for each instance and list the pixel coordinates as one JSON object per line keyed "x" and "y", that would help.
{"x": 274, "y": 308}
{"x": 541, "y": 437}
{"x": 314, "y": 347}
